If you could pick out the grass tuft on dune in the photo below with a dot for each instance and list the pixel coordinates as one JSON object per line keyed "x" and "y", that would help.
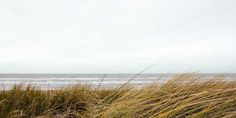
{"x": 186, "y": 95}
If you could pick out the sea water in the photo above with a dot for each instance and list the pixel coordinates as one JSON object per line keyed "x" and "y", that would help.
{"x": 54, "y": 81}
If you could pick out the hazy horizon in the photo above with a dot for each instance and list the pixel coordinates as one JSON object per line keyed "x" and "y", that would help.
{"x": 125, "y": 36}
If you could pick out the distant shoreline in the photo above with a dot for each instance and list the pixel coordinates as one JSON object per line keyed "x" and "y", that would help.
{"x": 92, "y": 75}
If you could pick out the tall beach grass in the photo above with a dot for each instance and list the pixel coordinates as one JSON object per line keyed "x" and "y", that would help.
{"x": 186, "y": 95}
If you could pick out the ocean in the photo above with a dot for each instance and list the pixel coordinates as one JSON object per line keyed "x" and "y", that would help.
{"x": 54, "y": 81}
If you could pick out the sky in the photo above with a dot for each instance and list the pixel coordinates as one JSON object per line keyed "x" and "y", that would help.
{"x": 117, "y": 36}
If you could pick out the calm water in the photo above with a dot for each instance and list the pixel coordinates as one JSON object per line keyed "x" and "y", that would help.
{"x": 51, "y": 81}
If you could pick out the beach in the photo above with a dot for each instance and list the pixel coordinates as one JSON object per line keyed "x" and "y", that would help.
{"x": 55, "y": 81}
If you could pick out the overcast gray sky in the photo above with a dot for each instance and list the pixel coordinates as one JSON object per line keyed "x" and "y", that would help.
{"x": 117, "y": 36}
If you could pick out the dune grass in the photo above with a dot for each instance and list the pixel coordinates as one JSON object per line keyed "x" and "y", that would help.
{"x": 185, "y": 95}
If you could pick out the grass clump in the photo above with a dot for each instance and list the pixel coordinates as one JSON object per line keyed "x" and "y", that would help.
{"x": 185, "y": 95}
